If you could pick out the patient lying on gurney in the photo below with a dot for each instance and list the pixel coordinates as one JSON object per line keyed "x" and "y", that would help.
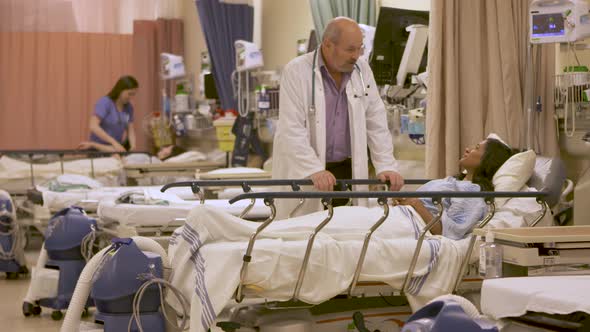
{"x": 163, "y": 153}
{"x": 212, "y": 244}
{"x": 461, "y": 214}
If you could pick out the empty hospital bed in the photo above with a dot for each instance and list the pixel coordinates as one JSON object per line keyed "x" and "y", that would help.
{"x": 546, "y": 280}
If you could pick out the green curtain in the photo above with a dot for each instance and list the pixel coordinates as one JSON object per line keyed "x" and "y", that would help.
{"x": 362, "y": 11}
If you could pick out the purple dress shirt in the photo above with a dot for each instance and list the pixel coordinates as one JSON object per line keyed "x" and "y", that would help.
{"x": 337, "y": 125}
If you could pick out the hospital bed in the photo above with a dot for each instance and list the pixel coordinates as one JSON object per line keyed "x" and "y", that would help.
{"x": 159, "y": 215}
{"x": 546, "y": 279}
{"x": 19, "y": 174}
{"x": 294, "y": 289}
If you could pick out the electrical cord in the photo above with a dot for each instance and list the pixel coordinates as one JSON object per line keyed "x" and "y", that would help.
{"x": 179, "y": 295}
{"x": 88, "y": 244}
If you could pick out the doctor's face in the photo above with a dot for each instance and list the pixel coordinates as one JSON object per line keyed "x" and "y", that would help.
{"x": 343, "y": 54}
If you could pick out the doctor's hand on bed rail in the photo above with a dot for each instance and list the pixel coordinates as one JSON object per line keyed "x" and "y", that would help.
{"x": 323, "y": 180}
{"x": 396, "y": 181}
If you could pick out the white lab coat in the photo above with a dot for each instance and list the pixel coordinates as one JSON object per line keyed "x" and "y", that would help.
{"x": 293, "y": 155}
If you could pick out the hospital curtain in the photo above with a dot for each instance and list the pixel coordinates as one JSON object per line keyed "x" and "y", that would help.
{"x": 223, "y": 23}
{"x": 150, "y": 38}
{"x": 362, "y": 11}
{"x": 477, "y": 76}
{"x": 50, "y": 82}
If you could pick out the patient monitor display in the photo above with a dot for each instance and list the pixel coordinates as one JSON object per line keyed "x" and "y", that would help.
{"x": 559, "y": 21}
{"x": 545, "y": 25}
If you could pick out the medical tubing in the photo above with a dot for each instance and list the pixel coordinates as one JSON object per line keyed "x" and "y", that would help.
{"x": 87, "y": 244}
{"x": 465, "y": 304}
{"x": 567, "y": 96}
{"x": 71, "y": 321}
{"x": 184, "y": 302}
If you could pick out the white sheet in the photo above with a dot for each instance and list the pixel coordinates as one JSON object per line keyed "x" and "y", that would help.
{"x": 513, "y": 297}
{"x": 212, "y": 243}
{"x": 55, "y": 201}
{"x": 155, "y": 215}
{"x": 13, "y": 171}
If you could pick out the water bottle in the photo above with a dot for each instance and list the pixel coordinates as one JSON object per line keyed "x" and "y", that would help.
{"x": 263, "y": 102}
{"x": 490, "y": 258}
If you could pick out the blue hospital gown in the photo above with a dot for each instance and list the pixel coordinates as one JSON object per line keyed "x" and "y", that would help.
{"x": 460, "y": 215}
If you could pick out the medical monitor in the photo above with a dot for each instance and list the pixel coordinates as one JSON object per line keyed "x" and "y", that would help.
{"x": 390, "y": 41}
{"x": 548, "y": 25}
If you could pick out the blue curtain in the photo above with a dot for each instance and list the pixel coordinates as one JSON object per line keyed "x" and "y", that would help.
{"x": 222, "y": 24}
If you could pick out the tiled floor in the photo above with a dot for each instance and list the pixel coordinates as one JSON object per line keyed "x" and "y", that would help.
{"x": 12, "y": 293}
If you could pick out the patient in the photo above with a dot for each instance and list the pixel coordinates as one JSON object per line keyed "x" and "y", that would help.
{"x": 461, "y": 214}
{"x": 163, "y": 153}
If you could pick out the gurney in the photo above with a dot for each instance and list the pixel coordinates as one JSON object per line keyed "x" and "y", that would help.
{"x": 207, "y": 231}
{"x": 546, "y": 279}
{"x": 16, "y": 176}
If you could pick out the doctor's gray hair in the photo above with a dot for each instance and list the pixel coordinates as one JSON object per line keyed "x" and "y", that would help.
{"x": 334, "y": 30}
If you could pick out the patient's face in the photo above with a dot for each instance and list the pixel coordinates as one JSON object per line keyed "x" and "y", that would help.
{"x": 472, "y": 156}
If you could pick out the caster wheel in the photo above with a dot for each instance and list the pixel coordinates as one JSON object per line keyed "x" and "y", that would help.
{"x": 11, "y": 275}
{"x": 23, "y": 270}
{"x": 57, "y": 315}
{"x": 28, "y": 309}
{"x": 36, "y": 310}
{"x": 85, "y": 313}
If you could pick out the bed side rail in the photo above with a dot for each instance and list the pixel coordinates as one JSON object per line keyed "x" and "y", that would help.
{"x": 383, "y": 196}
{"x": 61, "y": 153}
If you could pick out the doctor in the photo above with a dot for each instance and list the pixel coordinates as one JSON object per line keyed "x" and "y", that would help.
{"x": 329, "y": 112}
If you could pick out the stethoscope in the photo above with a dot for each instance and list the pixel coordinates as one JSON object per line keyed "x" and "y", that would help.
{"x": 313, "y": 65}
{"x": 311, "y": 111}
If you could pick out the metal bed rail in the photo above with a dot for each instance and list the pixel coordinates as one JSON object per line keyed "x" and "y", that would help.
{"x": 61, "y": 153}
{"x": 382, "y": 196}
{"x": 344, "y": 184}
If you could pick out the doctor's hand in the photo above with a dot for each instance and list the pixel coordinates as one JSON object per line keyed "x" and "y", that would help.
{"x": 323, "y": 180}
{"x": 396, "y": 181}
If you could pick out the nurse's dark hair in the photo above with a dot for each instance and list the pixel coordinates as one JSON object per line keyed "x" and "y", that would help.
{"x": 124, "y": 83}
{"x": 493, "y": 158}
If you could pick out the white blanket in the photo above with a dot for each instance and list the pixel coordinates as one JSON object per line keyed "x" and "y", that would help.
{"x": 206, "y": 257}
{"x": 156, "y": 215}
{"x": 89, "y": 199}
{"x": 107, "y": 169}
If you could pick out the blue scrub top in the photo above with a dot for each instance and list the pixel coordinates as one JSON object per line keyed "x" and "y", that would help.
{"x": 112, "y": 121}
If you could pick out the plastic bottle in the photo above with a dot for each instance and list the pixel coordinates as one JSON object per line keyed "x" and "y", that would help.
{"x": 490, "y": 258}
{"x": 263, "y": 101}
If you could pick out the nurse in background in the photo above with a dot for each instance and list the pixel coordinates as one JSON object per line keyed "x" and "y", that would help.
{"x": 111, "y": 125}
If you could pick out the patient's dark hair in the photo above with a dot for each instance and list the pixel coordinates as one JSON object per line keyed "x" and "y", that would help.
{"x": 176, "y": 150}
{"x": 124, "y": 83}
{"x": 493, "y": 158}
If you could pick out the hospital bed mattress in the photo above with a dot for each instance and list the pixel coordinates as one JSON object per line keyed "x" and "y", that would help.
{"x": 513, "y": 297}
{"x": 136, "y": 215}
